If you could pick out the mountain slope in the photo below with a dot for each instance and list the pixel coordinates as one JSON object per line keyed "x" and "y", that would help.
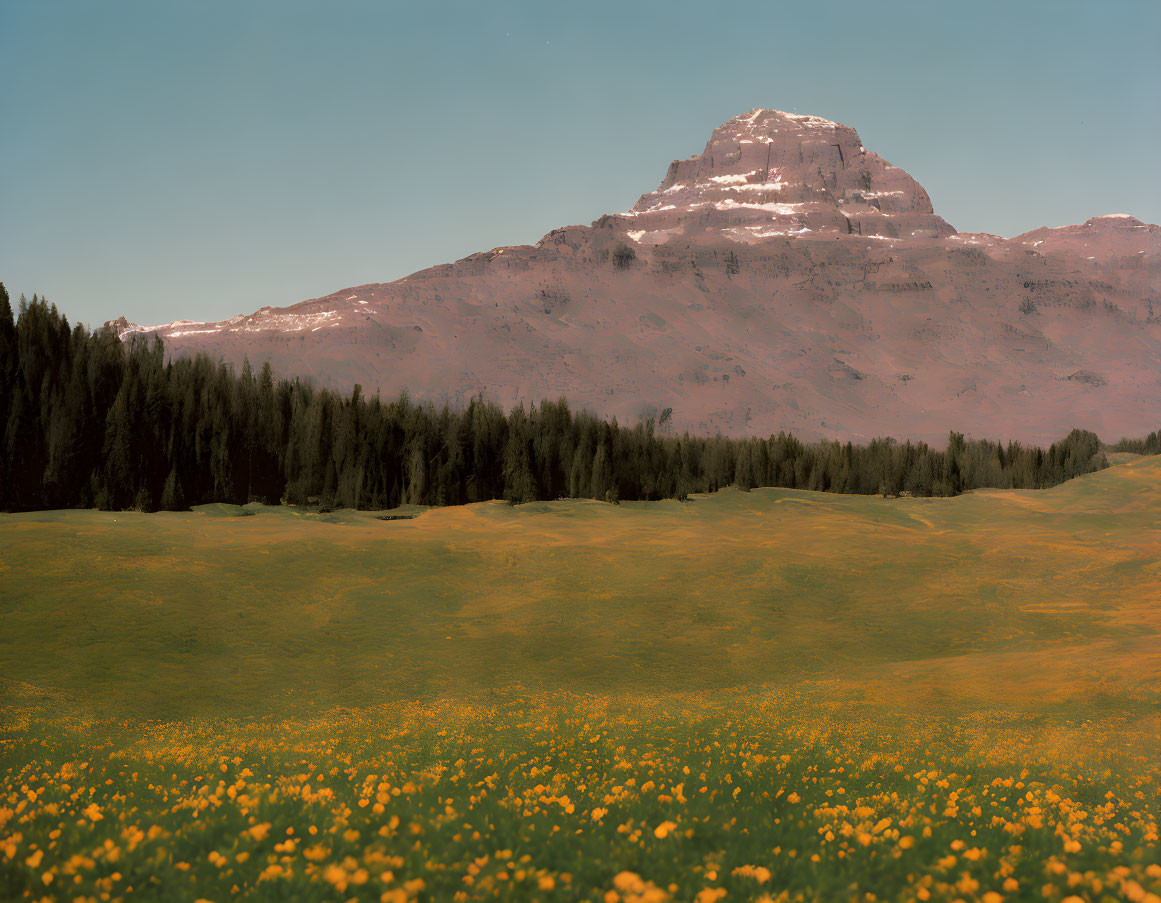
{"x": 784, "y": 278}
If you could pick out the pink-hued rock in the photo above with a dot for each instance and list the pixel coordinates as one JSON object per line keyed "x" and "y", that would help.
{"x": 1115, "y": 237}
{"x": 769, "y": 173}
{"x": 785, "y": 278}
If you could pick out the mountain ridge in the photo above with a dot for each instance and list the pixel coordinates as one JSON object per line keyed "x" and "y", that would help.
{"x": 784, "y": 278}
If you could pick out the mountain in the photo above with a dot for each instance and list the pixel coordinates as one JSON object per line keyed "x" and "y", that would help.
{"x": 784, "y": 278}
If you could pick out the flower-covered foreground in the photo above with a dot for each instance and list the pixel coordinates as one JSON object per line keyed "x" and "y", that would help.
{"x": 772, "y": 694}
{"x": 740, "y": 796}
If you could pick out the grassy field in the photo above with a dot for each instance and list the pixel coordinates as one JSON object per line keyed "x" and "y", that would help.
{"x": 768, "y": 694}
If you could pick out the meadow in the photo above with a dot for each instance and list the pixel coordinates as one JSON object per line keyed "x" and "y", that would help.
{"x": 774, "y": 694}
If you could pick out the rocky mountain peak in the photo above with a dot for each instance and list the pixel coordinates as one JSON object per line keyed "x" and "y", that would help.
{"x": 1114, "y": 221}
{"x": 1112, "y": 236}
{"x": 770, "y": 173}
{"x": 122, "y": 326}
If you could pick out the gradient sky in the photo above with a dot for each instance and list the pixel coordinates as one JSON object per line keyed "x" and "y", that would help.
{"x": 168, "y": 160}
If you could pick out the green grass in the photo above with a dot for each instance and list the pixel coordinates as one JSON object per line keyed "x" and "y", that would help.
{"x": 998, "y": 636}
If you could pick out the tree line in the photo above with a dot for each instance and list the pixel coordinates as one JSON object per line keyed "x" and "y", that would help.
{"x": 87, "y": 420}
{"x": 1150, "y": 445}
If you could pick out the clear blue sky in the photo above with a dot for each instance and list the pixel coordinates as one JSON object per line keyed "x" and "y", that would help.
{"x": 199, "y": 159}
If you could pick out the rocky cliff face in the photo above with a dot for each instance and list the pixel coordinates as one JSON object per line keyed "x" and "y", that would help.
{"x": 770, "y": 173}
{"x": 784, "y": 278}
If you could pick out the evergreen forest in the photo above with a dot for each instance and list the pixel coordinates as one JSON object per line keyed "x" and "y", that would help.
{"x": 87, "y": 420}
